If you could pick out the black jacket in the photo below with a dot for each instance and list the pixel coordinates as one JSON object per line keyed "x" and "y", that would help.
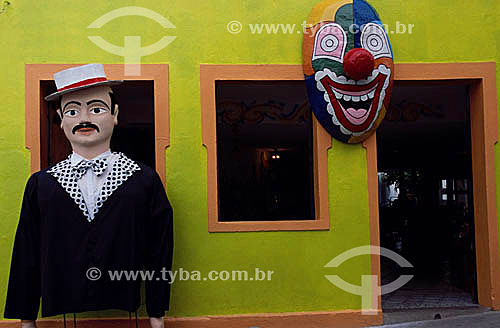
{"x": 55, "y": 246}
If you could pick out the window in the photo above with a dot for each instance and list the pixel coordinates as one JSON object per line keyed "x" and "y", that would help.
{"x": 456, "y": 193}
{"x": 267, "y": 154}
{"x": 265, "y": 168}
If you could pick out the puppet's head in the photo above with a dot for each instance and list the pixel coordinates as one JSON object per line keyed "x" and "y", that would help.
{"x": 86, "y": 107}
{"x": 348, "y": 68}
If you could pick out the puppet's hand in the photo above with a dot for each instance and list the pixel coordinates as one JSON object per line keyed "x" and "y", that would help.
{"x": 28, "y": 324}
{"x": 156, "y": 322}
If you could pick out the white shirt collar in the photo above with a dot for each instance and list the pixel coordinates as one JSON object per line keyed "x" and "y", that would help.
{"x": 77, "y": 158}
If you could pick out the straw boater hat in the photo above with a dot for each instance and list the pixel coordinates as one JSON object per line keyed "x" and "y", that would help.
{"x": 80, "y": 77}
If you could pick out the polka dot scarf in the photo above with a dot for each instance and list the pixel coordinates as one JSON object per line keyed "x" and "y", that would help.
{"x": 67, "y": 176}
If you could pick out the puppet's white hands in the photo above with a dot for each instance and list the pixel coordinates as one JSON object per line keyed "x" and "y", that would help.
{"x": 28, "y": 324}
{"x": 157, "y": 322}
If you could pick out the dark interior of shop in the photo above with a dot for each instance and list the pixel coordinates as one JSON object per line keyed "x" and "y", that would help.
{"x": 425, "y": 196}
{"x": 264, "y": 151}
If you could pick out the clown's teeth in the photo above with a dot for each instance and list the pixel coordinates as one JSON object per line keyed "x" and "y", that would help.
{"x": 369, "y": 79}
{"x": 384, "y": 70}
{"x": 338, "y": 95}
{"x": 381, "y": 69}
{"x": 341, "y": 78}
{"x": 371, "y": 95}
{"x": 347, "y": 98}
{"x": 364, "y": 97}
{"x": 356, "y": 99}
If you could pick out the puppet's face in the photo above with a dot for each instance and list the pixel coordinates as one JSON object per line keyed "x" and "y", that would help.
{"x": 348, "y": 68}
{"x": 87, "y": 120}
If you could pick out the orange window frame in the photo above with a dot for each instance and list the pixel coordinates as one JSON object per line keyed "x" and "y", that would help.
{"x": 321, "y": 143}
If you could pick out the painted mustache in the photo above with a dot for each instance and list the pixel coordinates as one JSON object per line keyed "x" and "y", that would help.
{"x": 84, "y": 125}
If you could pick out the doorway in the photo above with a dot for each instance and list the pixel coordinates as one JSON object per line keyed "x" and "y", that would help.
{"x": 426, "y": 210}
{"x": 481, "y": 81}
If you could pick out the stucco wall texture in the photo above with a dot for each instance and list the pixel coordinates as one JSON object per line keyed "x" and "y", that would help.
{"x": 56, "y": 31}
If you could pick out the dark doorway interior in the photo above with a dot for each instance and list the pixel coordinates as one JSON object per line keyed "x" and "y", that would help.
{"x": 425, "y": 196}
{"x": 134, "y": 134}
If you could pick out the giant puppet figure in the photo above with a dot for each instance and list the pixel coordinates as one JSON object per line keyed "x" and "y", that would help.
{"x": 348, "y": 68}
{"x": 96, "y": 211}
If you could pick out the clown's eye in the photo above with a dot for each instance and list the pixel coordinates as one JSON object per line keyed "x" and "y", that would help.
{"x": 98, "y": 110}
{"x": 330, "y": 42}
{"x": 71, "y": 113}
{"x": 374, "y": 39}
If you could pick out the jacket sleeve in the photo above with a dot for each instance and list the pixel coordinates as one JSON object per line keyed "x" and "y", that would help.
{"x": 159, "y": 250}
{"x": 23, "y": 294}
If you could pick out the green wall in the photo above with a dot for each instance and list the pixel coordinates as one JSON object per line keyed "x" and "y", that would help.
{"x": 56, "y": 31}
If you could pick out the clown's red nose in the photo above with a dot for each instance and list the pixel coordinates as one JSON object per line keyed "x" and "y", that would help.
{"x": 359, "y": 63}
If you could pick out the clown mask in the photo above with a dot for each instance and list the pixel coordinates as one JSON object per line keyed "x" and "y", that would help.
{"x": 348, "y": 68}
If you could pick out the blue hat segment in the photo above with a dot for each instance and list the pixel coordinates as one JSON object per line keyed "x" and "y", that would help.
{"x": 363, "y": 13}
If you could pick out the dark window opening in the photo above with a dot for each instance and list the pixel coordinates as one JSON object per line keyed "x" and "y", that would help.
{"x": 134, "y": 134}
{"x": 264, "y": 151}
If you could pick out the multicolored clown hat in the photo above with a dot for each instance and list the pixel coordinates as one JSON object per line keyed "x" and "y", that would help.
{"x": 348, "y": 68}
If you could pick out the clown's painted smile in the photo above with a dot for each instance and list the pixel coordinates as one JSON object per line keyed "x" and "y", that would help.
{"x": 354, "y": 105}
